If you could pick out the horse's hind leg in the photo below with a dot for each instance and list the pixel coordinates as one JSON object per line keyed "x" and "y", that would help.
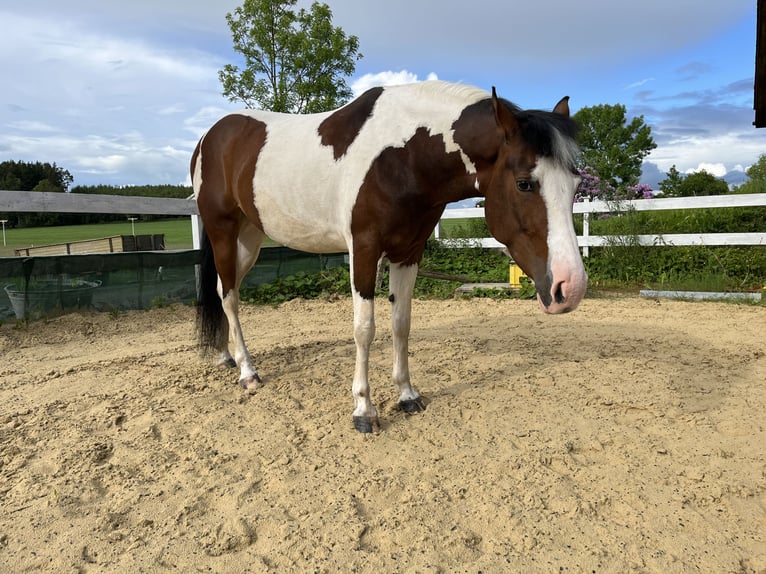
{"x": 401, "y": 284}
{"x": 249, "y": 242}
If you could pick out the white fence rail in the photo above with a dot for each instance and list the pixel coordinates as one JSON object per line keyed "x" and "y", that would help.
{"x": 585, "y": 241}
{"x": 24, "y": 201}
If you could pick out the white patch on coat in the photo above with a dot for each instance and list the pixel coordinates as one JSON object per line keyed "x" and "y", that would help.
{"x": 305, "y": 197}
{"x": 557, "y": 187}
{"x": 197, "y": 175}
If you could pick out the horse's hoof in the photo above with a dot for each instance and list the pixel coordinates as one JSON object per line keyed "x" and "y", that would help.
{"x": 412, "y": 405}
{"x": 366, "y": 424}
{"x": 251, "y": 383}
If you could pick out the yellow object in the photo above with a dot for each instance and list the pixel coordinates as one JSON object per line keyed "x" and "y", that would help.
{"x": 515, "y": 276}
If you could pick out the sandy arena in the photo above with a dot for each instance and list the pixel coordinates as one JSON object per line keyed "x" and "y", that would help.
{"x": 629, "y": 436}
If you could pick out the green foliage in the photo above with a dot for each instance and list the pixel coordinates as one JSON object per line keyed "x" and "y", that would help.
{"x": 27, "y": 176}
{"x": 170, "y": 191}
{"x": 724, "y": 268}
{"x": 468, "y": 228}
{"x": 302, "y": 285}
{"x": 672, "y": 182}
{"x": 757, "y": 171}
{"x": 32, "y": 176}
{"x": 614, "y": 147}
{"x": 694, "y": 184}
{"x": 475, "y": 264}
{"x": 527, "y": 291}
{"x": 728, "y": 220}
{"x": 757, "y": 175}
{"x": 294, "y": 61}
{"x": 624, "y": 262}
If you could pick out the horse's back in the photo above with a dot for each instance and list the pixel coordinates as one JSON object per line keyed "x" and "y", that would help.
{"x": 300, "y": 175}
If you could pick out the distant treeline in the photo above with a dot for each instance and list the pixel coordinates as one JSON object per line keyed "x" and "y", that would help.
{"x": 37, "y": 176}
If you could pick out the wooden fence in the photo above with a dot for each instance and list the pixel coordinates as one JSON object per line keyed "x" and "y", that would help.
{"x": 56, "y": 202}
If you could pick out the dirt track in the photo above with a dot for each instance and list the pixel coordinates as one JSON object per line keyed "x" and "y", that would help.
{"x": 628, "y": 436}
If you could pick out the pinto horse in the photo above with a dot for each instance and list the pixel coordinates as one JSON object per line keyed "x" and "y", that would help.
{"x": 372, "y": 179}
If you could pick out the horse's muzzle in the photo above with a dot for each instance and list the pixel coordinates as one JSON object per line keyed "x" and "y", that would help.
{"x": 564, "y": 294}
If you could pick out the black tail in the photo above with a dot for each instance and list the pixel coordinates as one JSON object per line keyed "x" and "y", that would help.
{"x": 211, "y": 326}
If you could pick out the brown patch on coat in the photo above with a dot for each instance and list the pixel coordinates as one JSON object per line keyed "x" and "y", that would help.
{"x": 402, "y": 197}
{"x": 229, "y": 153}
{"x": 340, "y": 129}
{"x": 491, "y": 136}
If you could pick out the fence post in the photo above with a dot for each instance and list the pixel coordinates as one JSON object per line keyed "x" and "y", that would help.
{"x": 197, "y": 229}
{"x": 586, "y": 229}
{"x": 196, "y": 223}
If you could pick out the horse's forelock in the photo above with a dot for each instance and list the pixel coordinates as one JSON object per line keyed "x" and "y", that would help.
{"x": 552, "y": 135}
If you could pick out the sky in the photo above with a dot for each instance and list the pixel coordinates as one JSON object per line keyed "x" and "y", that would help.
{"x": 118, "y": 92}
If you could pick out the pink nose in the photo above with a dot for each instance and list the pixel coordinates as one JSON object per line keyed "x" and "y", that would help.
{"x": 566, "y": 293}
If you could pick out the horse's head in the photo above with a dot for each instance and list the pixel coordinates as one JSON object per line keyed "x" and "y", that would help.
{"x": 529, "y": 200}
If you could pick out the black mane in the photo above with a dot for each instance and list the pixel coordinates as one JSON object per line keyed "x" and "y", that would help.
{"x": 553, "y": 135}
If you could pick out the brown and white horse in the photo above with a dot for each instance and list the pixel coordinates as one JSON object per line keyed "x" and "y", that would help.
{"x": 372, "y": 178}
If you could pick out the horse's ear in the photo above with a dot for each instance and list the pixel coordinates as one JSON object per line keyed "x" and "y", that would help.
{"x": 503, "y": 116}
{"x": 562, "y": 107}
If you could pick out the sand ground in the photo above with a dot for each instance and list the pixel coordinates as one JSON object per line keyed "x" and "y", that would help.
{"x": 629, "y": 436}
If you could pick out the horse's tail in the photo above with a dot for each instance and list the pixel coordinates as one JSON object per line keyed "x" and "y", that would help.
{"x": 211, "y": 326}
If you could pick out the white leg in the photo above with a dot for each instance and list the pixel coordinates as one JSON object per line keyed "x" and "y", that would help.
{"x": 365, "y": 414}
{"x": 248, "y": 248}
{"x": 401, "y": 284}
{"x": 248, "y": 377}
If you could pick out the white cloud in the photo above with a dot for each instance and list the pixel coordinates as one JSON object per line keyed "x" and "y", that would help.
{"x": 712, "y": 152}
{"x": 716, "y": 169}
{"x": 387, "y": 78}
{"x": 200, "y": 121}
{"x": 31, "y": 126}
{"x": 639, "y": 83}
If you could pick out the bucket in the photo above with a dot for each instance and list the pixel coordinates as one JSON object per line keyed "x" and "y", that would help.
{"x": 46, "y": 295}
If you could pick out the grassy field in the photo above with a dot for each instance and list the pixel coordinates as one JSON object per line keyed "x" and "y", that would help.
{"x": 178, "y": 233}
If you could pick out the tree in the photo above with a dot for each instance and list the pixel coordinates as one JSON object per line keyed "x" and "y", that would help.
{"x": 612, "y": 146}
{"x": 757, "y": 178}
{"x": 27, "y": 176}
{"x": 294, "y": 62}
{"x": 671, "y": 184}
{"x": 694, "y": 184}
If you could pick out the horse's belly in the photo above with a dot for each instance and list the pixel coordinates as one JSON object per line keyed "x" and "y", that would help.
{"x": 317, "y": 230}
{"x": 309, "y": 240}
{"x": 304, "y": 197}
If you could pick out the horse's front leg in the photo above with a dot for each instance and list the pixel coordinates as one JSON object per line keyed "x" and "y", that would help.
{"x": 401, "y": 285}
{"x": 365, "y": 414}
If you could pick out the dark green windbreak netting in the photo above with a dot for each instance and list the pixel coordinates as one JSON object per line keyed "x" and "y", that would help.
{"x": 36, "y": 287}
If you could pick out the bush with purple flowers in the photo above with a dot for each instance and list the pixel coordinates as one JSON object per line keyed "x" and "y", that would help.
{"x": 594, "y": 187}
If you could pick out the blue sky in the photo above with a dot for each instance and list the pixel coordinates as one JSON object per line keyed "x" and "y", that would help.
{"x": 119, "y": 92}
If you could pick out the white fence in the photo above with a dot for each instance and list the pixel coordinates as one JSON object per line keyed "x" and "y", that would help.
{"x": 19, "y": 201}
{"x": 585, "y": 241}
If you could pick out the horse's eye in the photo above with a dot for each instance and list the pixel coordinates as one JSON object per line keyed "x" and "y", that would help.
{"x": 524, "y": 185}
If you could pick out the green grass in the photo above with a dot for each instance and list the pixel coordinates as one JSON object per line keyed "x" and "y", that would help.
{"x": 178, "y": 233}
